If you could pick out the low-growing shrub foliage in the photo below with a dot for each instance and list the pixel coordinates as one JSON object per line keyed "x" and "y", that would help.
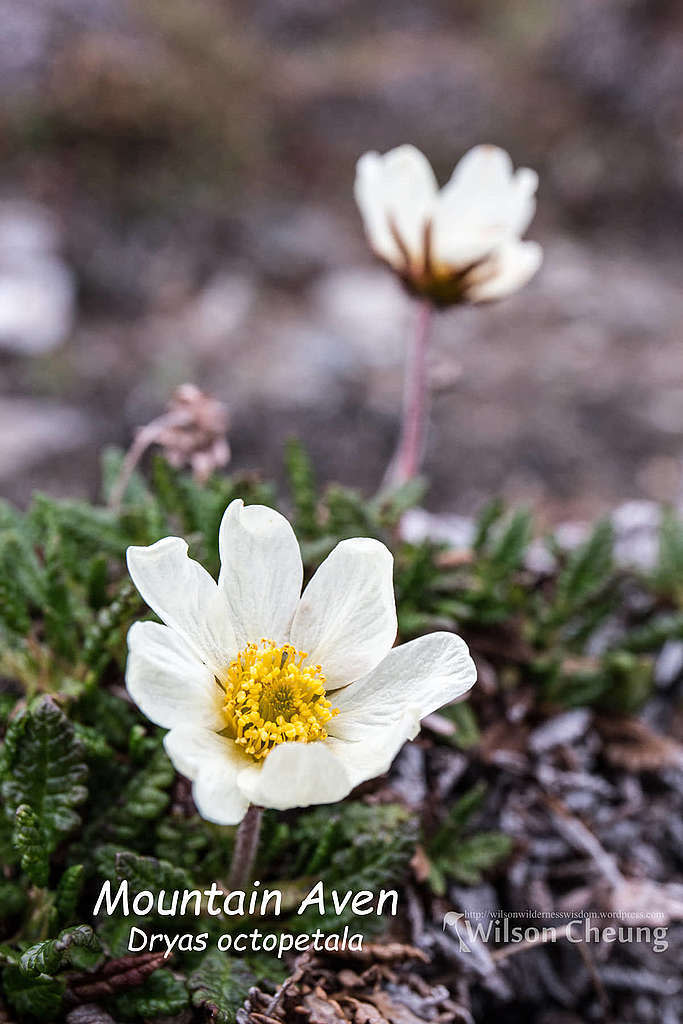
{"x": 88, "y": 793}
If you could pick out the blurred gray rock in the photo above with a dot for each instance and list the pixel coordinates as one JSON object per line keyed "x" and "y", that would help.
{"x": 34, "y": 430}
{"x": 369, "y": 311}
{"x": 37, "y": 289}
{"x": 636, "y": 528}
{"x": 418, "y": 525}
{"x": 669, "y": 664}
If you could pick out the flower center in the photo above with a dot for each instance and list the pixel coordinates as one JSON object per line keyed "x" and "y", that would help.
{"x": 272, "y": 697}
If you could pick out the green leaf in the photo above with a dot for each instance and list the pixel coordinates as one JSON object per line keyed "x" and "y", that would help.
{"x": 59, "y": 606}
{"x": 621, "y": 681}
{"x": 161, "y": 995}
{"x": 475, "y": 855}
{"x": 44, "y": 768}
{"x": 302, "y": 486}
{"x": 630, "y": 679}
{"x": 141, "y": 873}
{"x": 652, "y": 635}
{"x": 12, "y": 900}
{"x": 508, "y": 547}
{"x": 668, "y": 574}
{"x": 149, "y": 873}
{"x": 144, "y": 799}
{"x": 452, "y": 854}
{"x": 104, "y": 636}
{"x": 93, "y": 742}
{"x": 32, "y": 997}
{"x": 586, "y": 571}
{"x": 15, "y": 596}
{"x": 30, "y": 844}
{"x": 46, "y": 958}
{"x": 183, "y": 841}
{"x": 69, "y": 891}
{"x": 220, "y": 986}
{"x": 389, "y": 506}
{"x": 488, "y": 517}
{"x": 465, "y": 720}
{"x": 457, "y": 817}
{"x": 350, "y": 846}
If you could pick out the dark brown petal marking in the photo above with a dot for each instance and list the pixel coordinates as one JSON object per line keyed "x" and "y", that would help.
{"x": 399, "y": 242}
{"x": 427, "y": 234}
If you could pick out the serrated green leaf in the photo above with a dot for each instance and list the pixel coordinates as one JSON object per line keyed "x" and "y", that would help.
{"x": 150, "y": 873}
{"x": 220, "y": 986}
{"x": 654, "y": 634}
{"x": 17, "y": 594}
{"x": 474, "y": 855}
{"x": 464, "y": 858}
{"x": 51, "y": 956}
{"x": 93, "y": 742}
{"x": 302, "y": 486}
{"x": 31, "y": 845}
{"x": 465, "y": 720}
{"x": 389, "y": 506}
{"x": 144, "y": 798}
{"x": 586, "y": 571}
{"x": 183, "y": 840}
{"x": 351, "y": 846}
{"x": 161, "y": 995}
{"x": 508, "y": 547}
{"x": 45, "y": 769}
{"x": 12, "y": 899}
{"x": 69, "y": 890}
{"x": 114, "y": 934}
{"x": 32, "y": 997}
{"x": 456, "y": 819}
{"x": 668, "y": 573}
{"x": 488, "y": 517}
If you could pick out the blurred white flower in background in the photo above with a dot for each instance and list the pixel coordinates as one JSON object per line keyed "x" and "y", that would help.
{"x": 274, "y": 697}
{"x": 37, "y": 289}
{"x": 457, "y": 244}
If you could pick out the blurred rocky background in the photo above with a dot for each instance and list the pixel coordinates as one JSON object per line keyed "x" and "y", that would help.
{"x": 176, "y": 204}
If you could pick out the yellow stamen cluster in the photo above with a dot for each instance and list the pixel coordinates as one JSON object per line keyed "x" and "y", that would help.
{"x": 272, "y": 697}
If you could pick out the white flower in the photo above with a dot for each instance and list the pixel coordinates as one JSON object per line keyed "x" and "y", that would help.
{"x": 460, "y": 243}
{"x": 273, "y": 697}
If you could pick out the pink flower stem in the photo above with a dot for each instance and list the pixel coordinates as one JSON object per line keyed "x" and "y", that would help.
{"x": 406, "y": 462}
{"x": 145, "y": 437}
{"x": 246, "y": 847}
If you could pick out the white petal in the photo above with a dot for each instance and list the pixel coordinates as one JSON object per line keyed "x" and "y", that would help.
{"x": 370, "y": 197}
{"x": 420, "y": 676}
{"x": 410, "y": 191}
{"x": 483, "y": 169}
{"x": 213, "y": 763}
{"x": 382, "y": 710}
{"x": 296, "y": 775}
{"x": 261, "y": 572}
{"x": 523, "y": 205}
{"x": 510, "y": 267}
{"x": 364, "y": 761}
{"x": 185, "y": 597}
{"x": 168, "y": 682}
{"x": 188, "y": 745}
{"x": 457, "y": 244}
{"x": 216, "y": 793}
{"x": 346, "y": 619}
{"x": 481, "y": 206}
